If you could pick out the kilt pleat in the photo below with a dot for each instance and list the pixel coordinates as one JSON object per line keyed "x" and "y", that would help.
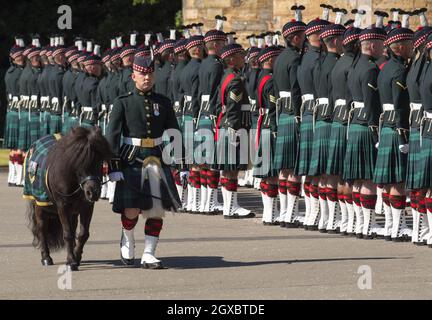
{"x": 413, "y": 177}
{"x": 360, "y": 154}
{"x": 425, "y": 162}
{"x": 390, "y": 166}
{"x": 45, "y": 123}
{"x": 11, "y": 133}
{"x": 70, "y": 123}
{"x": 55, "y": 124}
{"x": 320, "y": 146}
{"x": 188, "y": 136}
{"x": 264, "y": 163}
{"x": 337, "y": 149}
{"x": 205, "y": 123}
{"x": 227, "y": 153}
{"x": 24, "y": 131}
{"x": 286, "y": 143}
{"x": 305, "y": 146}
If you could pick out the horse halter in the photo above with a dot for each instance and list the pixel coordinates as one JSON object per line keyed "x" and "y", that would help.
{"x": 81, "y": 185}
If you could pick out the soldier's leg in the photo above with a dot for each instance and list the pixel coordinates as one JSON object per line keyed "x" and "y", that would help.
{"x": 232, "y": 208}
{"x": 212, "y": 203}
{"x": 379, "y": 203}
{"x": 307, "y": 199}
{"x": 195, "y": 181}
{"x": 293, "y": 199}
{"x": 283, "y": 198}
{"x": 153, "y": 228}
{"x": 400, "y": 231}
{"x": 423, "y": 217}
{"x": 19, "y": 168}
{"x": 348, "y": 197}
{"x": 269, "y": 193}
{"x": 428, "y": 204}
{"x": 368, "y": 201}
{"x": 357, "y": 208}
{"x": 333, "y": 204}
{"x": 415, "y": 216}
{"x": 129, "y": 220}
{"x": 314, "y": 205}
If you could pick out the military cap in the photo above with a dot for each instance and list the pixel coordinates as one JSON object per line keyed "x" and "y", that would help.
{"x": 115, "y": 54}
{"x": 82, "y": 56}
{"x": 231, "y": 49}
{"x": 420, "y": 36}
{"x": 194, "y": 41}
{"x": 73, "y": 56}
{"x": 253, "y": 52}
{"x": 92, "y": 59}
{"x": 26, "y": 51}
{"x": 215, "y": 35}
{"x": 16, "y": 51}
{"x": 167, "y": 44}
{"x": 332, "y": 30}
{"x": 399, "y": 34}
{"x": 373, "y": 33}
{"x": 429, "y": 42}
{"x": 43, "y": 51}
{"x": 143, "y": 65}
{"x": 351, "y": 34}
{"x": 180, "y": 45}
{"x": 126, "y": 50}
{"x": 292, "y": 27}
{"x": 106, "y": 56}
{"x": 143, "y": 51}
{"x": 33, "y": 52}
{"x": 315, "y": 26}
{"x": 69, "y": 51}
{"x": 268, "y": 52}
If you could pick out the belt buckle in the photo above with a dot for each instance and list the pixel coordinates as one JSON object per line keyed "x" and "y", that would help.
{"x": 147, "y": 143}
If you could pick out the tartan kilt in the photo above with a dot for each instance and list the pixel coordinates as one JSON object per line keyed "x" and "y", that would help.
{"x": 286, "y": 142}
{"x": 320, "y": 146}
{"x": 130, "y": 194}
{"x": 188, "y": 136}
{"x": 413, "y": 177}
{"x": 227, "y": 155}
{"x": 390, "y": 165}
{"x": 207, "y": 124}
{"x": 24, "y": 131}
{"x": 180, "y": 122}
{"x": 266, "y": 172}
{"x": 337, "y": 149}
{"x": 360, "y": 155}
{"x": 55, "y": 124}
{"x": 33, "y": 130}
{"x": 305, "y": 146}
{"x": 425, "y": 159}
{"x": 45, "y": 123}
{"x": 11, "y": 133}
{"x": 69, "y": 123}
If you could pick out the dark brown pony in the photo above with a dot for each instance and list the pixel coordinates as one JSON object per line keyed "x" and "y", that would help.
{"x": 74, "y": 184}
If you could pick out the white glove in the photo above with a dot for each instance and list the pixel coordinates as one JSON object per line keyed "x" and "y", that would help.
{"x": 404, "y": 148}
{"x": 184, "y": 175}
{"x": 377, "y": 145}
{"x": 116, "y": 176}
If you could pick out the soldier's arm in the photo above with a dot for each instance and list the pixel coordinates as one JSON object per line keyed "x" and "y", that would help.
{"x": 114, "y": 132}
{"x": 233, "y": 99}
{"x": 270, "y": 98}
{"x": 371, "y": 97}
{"x": 401, "y": 104}
{"x": 216, "y": 78}
{"x": 295, "y": 87}
{"x": 195, "y": 96}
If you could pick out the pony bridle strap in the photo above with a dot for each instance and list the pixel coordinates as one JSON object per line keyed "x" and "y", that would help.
{"x": 89, "y": 178}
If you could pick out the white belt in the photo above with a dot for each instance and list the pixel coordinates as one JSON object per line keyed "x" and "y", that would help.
{"x": 103, "y": 107}
{"x": 44, "y": 99}
{"x": 307, "y": 97}
{"x": 388, "y": 107}
{"x": 252, "y": 101}
{"x": 357, "y": 105}
{"x": 177, "y": 104}
{"x": 340, "y": 102}
{"x": 25, "y": 97}
{"x": 34, "y": 97}
{"x": 54, "y": 100}
{"x": 264, "y": 111}
{"x": 10, "y": 96}
{"x": 188, "y": 98}
{"x": 322, "y": 101}
{"x": 86, "y": 109}
{"x": 138, "y": 141}
{"x": 284, "y": 94}
{"x": 245, "y": 107}
{"x": 205, "y": 98}
{"x": 15, "y": 98}
{"x": 415, "y": 106}
{"x": 428, "y": 115}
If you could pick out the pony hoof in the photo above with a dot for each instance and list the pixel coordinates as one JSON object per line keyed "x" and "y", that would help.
{"x": 47, "y": 262}
{"x": 72, "y": 267}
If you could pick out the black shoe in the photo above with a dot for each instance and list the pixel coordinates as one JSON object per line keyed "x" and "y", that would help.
{"x": 248, "y": 216}
{"x": 271, "y": 223}
{"x": 380, "y": 237}
{"x": 429, "y": 245}
{"x": 336, "y": 231}
{"x": 313, "y": 228}
{"x": 11, "y": 184}
{"x": 359, "y": 235}
{"x": 351, "y": 234}
{"x": 291, "y": 225}
{"x": 153, "y": 266}
{"x": 369, "y": 237}
{"x": 322, "y": 230}
{"x": 344, "y": 233}
{"x": 127, "y": 262}
{"x": 387, "y": 238}
{"x": 306, "y": 227}
{"x": 234, "y": 216}
{"x": 282, "y": 224}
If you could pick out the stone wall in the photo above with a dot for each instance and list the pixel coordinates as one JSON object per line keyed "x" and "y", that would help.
{"x": 255, "y": 16}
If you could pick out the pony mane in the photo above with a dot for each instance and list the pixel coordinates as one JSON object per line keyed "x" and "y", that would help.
{"x": 81, "y": 149}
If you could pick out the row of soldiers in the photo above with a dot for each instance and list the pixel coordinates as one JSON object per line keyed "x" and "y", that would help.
{"x": 346, "y": 110}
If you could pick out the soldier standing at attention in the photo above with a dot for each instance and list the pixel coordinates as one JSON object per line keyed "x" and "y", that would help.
{"x": 288, "y": 92}
{"x": 210, "y": 75}
{"x": 363, "y": 123}
{"x": 127, "y": 56}
{"x": 306, "y": 82}
{"x": 165, "y": 68}
{"x": 139, "y": 119}
{"x": 189, "y": 81}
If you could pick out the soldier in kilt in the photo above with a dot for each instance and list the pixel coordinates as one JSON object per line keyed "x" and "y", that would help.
{"x": 390, "y": 167}
{"x": 265, "y": 138}
{"x": 55, "y": 83}
{"x": 69, "y": 80}
{"x": 304, "y": 153}
{"x": 338, "y": 137}
{"x": 231, "y": 130}
{"x": 181, "y": 61}
{"x": 425, "y": 157}
{"x": 127, "y": 55}
{"x": 413, "y": 180}
{"x": 11, "y": 133}
{"x": 210, "y": 75}
{"x": 189, "y": 84}
{"x": 359, "y": 164}
{"x": 288, "y": 93}
{"x": 144, "y": 182}
{"x": 251, "y": 79}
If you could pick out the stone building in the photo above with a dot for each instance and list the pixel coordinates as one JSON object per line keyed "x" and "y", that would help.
{"x": 255, "y": 16}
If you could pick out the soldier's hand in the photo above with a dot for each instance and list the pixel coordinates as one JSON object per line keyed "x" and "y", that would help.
{"x": 404, "y": 148}
{"x": 116, "y": 176}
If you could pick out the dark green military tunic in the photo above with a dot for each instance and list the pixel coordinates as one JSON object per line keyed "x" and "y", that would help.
{"x": 103, "y": 101}
{"x": 425, "y": 159}
{"x": 342, "y": 105}
{"x": 11, "y": 135}
{"x": 71, "y": 113}
{"x": 390, "y": 165}
{"x": 363, "y": 129}
{"x": 176, "y": 91}
{"x": 287, "y": 90}
{"x": 232, "y": 127}
{"x": 162, "y": 79}
{"x": 45, "y": 99}
{"x": 125, "y": 83}
{"x": 323, "y": 113}
{"x": 55, "y": 82}
{"x": 305, "y": 79}
{"x": 413, "y": 178}
{"x": 89, "y": 103}
{"x": 267, "y": 128}
{"x": 140, "y": 115}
